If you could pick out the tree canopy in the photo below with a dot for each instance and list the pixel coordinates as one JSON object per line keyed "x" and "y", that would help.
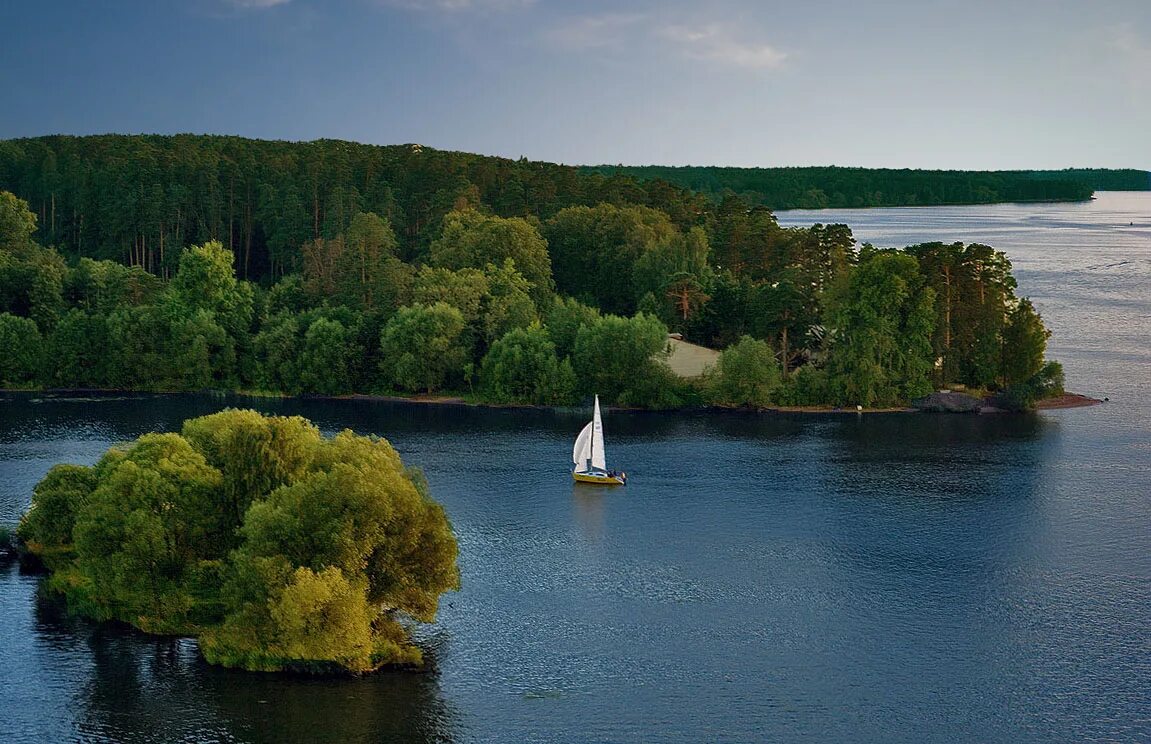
{"x": 276, "y": 547}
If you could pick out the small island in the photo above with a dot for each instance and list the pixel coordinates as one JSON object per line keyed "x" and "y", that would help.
{"x": 277, "y": 548}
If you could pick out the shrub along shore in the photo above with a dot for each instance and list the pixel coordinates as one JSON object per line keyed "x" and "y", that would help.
{"x": 1051, "y": 402}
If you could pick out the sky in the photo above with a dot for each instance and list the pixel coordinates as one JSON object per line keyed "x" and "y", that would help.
{"x": 971, "y": 84}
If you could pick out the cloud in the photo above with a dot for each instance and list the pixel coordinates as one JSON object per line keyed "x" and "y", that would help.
{"x": 590, "y": 32}
{"x": 717, "y": 43}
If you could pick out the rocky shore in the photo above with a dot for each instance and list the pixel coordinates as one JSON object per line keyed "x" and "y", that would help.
{"x": 955, "y": 402}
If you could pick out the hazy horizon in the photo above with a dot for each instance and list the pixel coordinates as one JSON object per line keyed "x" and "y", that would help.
{"x": 953, "y": 86}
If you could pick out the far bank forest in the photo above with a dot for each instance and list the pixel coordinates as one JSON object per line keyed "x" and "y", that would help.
{"x": 328, "y": 267}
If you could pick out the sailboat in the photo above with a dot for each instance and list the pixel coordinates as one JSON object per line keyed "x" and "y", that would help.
{"x": 588, "y": 455}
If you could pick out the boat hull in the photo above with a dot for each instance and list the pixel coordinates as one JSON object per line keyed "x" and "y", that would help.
{"x": 598, "y": 479}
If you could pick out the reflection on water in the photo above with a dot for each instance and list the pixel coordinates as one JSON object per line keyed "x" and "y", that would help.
{"x": 589, "y": 506}
{"x": 139, "y": 688}
{"x": 384, "y": 707}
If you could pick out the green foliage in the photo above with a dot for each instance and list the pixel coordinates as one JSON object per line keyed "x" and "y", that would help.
{"x": 675, "y": 270}
{"x": 23, "y": 350}
{"x": 658, "y": 388}
{"x": 325, "y": 359}
{"x": 881, "y": 322}
{"x": 206, "y": 281}
{"x": 255, "y": 454}
{"x": 493, "y": 300}
{"x": 159, "y": 348}
{"x": 323, "y": 617}
{"x": 1050, "y": 380}
{"x": 595, "y": 250}
{"x": 464, "y": 290}
{"x": 807, "y": 386}
{"x": 102, "y": 286}
{"x": 329, "y": 551}
{"x": 286, "y": 296}
{"x": 1024, "y": 343}
{"x": 32, "y": 284}
{"x": 141, "y": 531}
{"x": 747, "y": 374}
{"x": 1046, "y": 383}
{"x": 974, "y": 289}
{"x": 358, "y": 268}
{"x": 522, "y": 367}
{"x": 280, "y": 549}
{"x": 47, "y": 527}
{"x": 472, "y": 240}
{"x": 615, "y": 357}
{"x": 276, "y": 350}
{"x": 564, "y": 320}
{"x": 17, "y": 222}
{"x": 422, "y": 346}
{"x": 135, "y": 198}
{"x": 823, "y": 187}
{"x": 508, "y": 304}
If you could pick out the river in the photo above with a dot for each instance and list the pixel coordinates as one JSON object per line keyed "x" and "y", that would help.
{"x": 886, "y": 577}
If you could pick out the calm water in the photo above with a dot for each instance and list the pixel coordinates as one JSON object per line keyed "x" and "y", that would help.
{"x": 883, "y": 578}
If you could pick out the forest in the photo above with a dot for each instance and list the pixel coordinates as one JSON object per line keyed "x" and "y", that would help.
{"x": 834, "y": 187}
{"x": 186, "y": 263}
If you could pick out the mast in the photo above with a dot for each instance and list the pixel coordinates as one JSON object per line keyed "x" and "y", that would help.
{"x": 595, "y": 420}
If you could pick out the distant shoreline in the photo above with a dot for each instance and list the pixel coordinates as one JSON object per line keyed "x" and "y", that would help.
{"x": 936, "y": 206}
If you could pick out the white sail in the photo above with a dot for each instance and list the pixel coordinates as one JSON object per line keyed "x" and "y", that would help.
{"x": 597, "y": 455}
{"x": 582, "y": 450}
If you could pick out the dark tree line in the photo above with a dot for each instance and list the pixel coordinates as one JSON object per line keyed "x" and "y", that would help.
{"x": 823, "y": 187}
{"x": 140, "y": 199}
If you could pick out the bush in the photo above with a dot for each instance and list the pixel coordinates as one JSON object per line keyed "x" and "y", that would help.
{"x": 615, "y": 358}
{"x": 278, "y": 548}
{"x": 23, "y": 347}
{"x": 1046, "y": 383}
{"x": 658, "y": 387}
{"x": 747, "y": 375}
{"x": 522, "y": 367}
{"x": 806, "y": 386}
{"x": 422, "y": 345}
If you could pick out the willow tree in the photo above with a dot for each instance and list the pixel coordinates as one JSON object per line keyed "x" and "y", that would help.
{"x": 277, "y": 548}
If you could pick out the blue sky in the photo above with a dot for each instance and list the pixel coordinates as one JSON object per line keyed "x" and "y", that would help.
{"x": 929, "y": 83}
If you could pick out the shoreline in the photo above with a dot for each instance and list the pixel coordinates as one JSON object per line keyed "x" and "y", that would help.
{"x": 1067, "y": 400}
{"x": 936, "y": 206}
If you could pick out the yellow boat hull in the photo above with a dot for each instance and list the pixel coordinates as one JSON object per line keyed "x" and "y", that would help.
{"x": 602, "y": 480}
